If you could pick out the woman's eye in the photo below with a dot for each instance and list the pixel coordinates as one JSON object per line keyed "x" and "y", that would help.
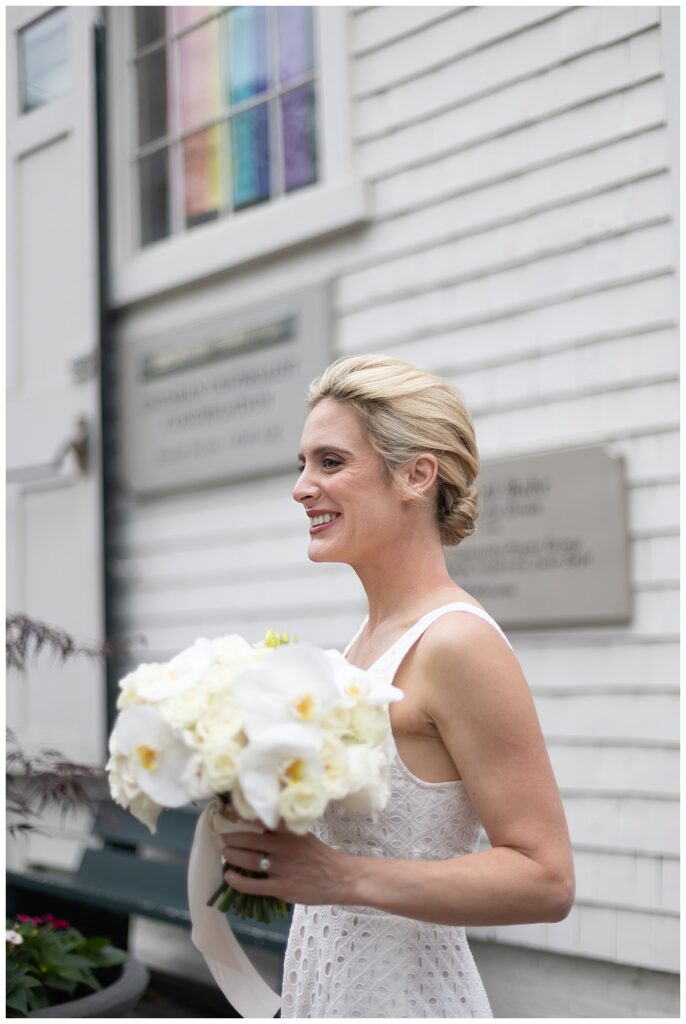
{"x": 332, "y": 463}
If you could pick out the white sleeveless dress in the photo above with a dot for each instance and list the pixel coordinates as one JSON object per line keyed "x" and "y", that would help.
{"x": 345, "y": 961}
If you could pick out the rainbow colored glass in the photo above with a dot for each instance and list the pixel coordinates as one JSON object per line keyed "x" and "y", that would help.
{"x": 235, "y": 91}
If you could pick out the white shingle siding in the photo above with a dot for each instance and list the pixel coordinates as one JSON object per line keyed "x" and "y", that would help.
{"x": 522, "y": 243}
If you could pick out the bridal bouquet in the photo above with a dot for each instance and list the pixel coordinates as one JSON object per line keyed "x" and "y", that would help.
{"x": 276, "y": 729}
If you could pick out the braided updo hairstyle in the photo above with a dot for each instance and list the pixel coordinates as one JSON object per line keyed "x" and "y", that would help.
{"x": 406, "y": 411}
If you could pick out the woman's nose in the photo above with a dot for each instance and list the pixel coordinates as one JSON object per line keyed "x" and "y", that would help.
{"x": 304, "y": 488}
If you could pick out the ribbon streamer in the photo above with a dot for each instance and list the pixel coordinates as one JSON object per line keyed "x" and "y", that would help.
{"x": 211, "y": 933}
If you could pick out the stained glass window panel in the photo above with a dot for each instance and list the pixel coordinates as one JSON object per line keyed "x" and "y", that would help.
{"x": 299, "y": 137}
{"x": 44, "y": 60}
{"x": 152, "y": 97}
{"x": 250, "y": 151}
{"x": 186, "y": 16}
{"x": 151, "y": 25}
{"x": 199, "y": 58}
{"x": 296, "y": 48}
{"x": 203, "y": 177}
{"x": 154, "y": 196}
{"x": 248, "y": 53}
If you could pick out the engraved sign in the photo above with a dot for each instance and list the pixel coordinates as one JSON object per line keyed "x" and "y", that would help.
{"x": 223, "y": 401}
{"x": 551, "y": 545}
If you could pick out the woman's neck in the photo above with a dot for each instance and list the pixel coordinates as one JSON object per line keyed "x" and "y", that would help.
{"x": 402, "y": 581}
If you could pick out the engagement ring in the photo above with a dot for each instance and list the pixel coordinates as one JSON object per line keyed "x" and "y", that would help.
{"x": 265, "y": 864}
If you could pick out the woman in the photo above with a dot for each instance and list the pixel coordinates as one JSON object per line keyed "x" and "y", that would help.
{"x": 387, "y": 467}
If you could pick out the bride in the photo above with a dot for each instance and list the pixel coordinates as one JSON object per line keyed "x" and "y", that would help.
{"x": 387, "y": 466}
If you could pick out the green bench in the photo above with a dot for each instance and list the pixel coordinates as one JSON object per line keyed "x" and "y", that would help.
{"x": 131, "y": 873}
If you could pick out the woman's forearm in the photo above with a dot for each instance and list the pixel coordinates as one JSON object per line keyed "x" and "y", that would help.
{"x": 491, "y": 887}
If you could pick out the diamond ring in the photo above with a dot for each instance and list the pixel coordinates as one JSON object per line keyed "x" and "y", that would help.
{"x": 265, "y": 864}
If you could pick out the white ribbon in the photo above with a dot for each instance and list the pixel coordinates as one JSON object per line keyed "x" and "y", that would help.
{"x": 211, "y": 933}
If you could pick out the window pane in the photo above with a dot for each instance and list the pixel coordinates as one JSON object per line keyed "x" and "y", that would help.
{"x": 248, "y": 53}
{"x": 199, "y": 57}
{"x": 43, "y": 60}
{"x": 202, "y": 171}
{"x": 152, "y": 97}
{"x": 299, "y": 137}
{"x": 154, "y": 196}
{"x": 296, "y": 52}
{"x": 151, "y": 24}
{"x": 250, "y": 149}
{"x": 185, "y": 16}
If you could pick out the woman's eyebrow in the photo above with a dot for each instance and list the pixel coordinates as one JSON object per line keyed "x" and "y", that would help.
{"x": 320, "y": 449}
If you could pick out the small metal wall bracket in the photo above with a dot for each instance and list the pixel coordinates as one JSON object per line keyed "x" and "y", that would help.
{"x": 80, "y": 444}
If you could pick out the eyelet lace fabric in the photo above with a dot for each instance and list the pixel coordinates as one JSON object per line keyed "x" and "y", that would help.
{"x": 345, "y": 961}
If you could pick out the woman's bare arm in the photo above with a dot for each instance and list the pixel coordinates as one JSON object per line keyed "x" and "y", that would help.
{"x": 481, "y": 705}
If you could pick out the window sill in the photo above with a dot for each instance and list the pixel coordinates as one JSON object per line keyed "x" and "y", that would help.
{"x": 254, "y": 235}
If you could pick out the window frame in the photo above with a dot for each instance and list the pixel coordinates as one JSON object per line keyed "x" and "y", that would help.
{"x": 338, "y": 200}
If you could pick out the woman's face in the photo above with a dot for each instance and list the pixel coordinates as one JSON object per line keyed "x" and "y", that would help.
{"x": 342, "y": 477}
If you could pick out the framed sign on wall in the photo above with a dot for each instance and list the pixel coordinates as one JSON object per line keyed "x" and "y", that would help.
{"x": 224, "y": 401}
{"x": 551, "y": 546}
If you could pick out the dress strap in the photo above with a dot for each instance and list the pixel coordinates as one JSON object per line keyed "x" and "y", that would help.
{"x": 391, "y": 659}
{"x": 351, "y": 642}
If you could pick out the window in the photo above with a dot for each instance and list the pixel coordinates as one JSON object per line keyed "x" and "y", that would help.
{"x": 226, "y": 111}
{"x": 43, "y": 60}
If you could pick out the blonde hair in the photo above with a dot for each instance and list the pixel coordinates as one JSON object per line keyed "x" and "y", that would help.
{"x": 406, "y": 411}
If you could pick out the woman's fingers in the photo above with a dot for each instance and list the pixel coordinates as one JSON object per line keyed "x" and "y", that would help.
{"x": 247, "y": 859}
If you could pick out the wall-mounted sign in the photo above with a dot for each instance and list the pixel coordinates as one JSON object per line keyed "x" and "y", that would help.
{"x": 223, "y": 401}
{"x": 551, "y": 546}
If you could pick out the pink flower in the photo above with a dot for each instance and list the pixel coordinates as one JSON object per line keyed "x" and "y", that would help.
{"x": 56, "y": 922}
{"x": 24, "y": 918}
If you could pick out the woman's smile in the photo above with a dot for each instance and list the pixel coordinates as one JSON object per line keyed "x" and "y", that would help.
{"x": 322, "y": 521}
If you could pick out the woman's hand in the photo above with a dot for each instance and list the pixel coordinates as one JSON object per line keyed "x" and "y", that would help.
{"x": 302, "y": 869}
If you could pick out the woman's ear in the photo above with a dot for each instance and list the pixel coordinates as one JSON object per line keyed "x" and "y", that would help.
{"x": 422, "y": 472}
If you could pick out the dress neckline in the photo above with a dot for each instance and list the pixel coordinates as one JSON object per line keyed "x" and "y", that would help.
{"x": 453, "y": 605}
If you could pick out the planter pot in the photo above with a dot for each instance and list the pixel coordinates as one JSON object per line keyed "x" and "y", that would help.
{"x": 114, "y": 1000}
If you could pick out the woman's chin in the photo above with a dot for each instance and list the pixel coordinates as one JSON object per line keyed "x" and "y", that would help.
{"x": 323, "y": 552}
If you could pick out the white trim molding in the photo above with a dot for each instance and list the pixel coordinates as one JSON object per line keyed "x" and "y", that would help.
{"x": 339, "y": 202}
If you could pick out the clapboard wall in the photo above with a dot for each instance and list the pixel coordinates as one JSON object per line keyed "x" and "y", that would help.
{"x": 522, "y": 243}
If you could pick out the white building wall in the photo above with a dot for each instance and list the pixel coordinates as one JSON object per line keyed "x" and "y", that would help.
{"x": 522, "y": 244}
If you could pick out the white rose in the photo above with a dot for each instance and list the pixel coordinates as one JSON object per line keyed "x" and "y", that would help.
{"x": 221, "y": 762}
{"x": 302, "y": 803}
{"x": 195, "y": 778}
{"x": 336, "y": 777}
{"x": 130, "y": 685}
{"x": 222, "y": 721}
{"x": 338, "y": 721}
{"x": 219, "y": 678}
{"x": 123, "y": 784}
{"x": 370, "y": 723}
{"x": 184, "y": 710}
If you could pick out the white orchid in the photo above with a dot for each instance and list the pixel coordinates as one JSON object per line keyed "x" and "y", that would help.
{"x": 156, "y": 755}
{"x": 359, "y": 685}
{"x": 294, "y": 684}
{"x": 181, "y": 673}
{"x": 277, "y": 757}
